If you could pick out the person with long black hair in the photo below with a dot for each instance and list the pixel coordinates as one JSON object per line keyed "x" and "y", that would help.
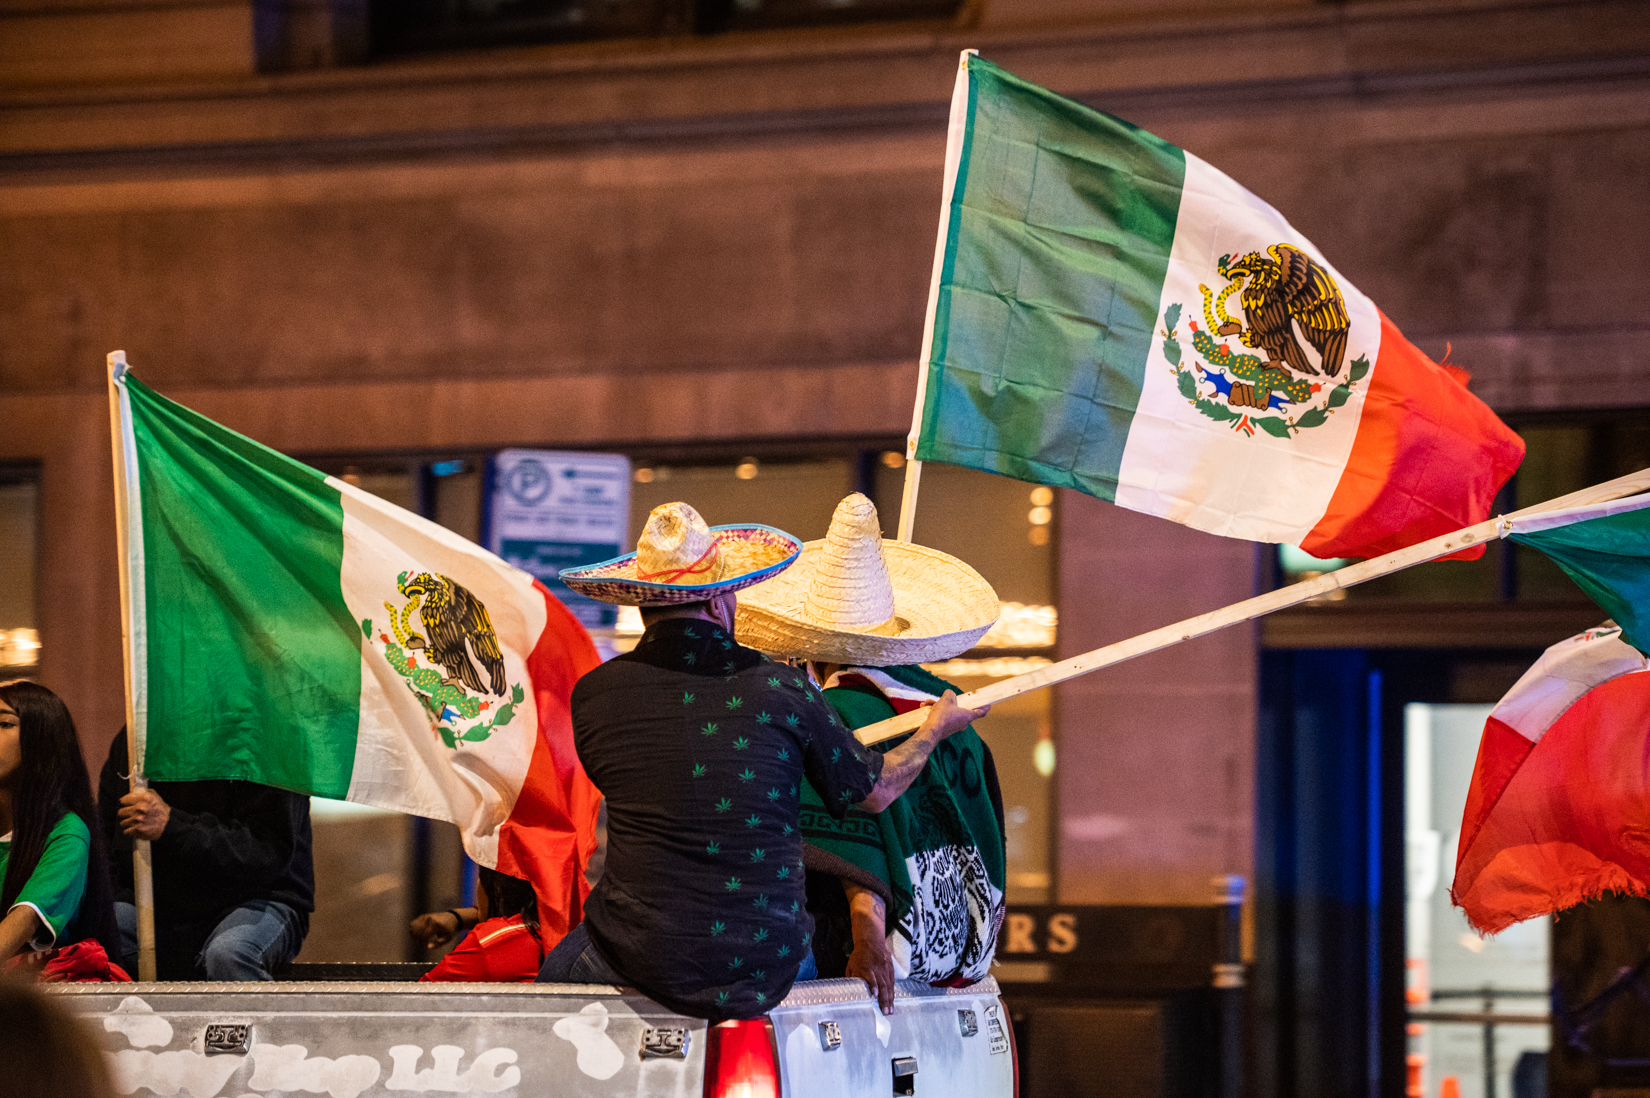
{"x": 506, "y": 946}
{"x": 55, "y": 884}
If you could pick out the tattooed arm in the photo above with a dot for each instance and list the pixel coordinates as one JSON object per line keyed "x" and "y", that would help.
{"x": 901, "y": 766}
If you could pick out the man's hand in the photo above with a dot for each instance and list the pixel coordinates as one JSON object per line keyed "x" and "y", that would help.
{"x": 870, "y": 961}
{"x": 143, "y": 814}
{"x": 435, "y": 928}
{"x": 946, "y": 718}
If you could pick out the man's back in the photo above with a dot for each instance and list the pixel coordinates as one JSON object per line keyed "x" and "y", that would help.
{"x": 699, "y": 746}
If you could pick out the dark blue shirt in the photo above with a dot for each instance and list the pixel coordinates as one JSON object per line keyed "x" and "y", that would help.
{"x": 699, "y": 745}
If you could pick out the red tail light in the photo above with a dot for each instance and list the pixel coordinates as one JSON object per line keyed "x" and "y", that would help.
{"x": 740, "y": 1060}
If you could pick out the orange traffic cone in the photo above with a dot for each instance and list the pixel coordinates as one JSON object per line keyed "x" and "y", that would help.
{"x": 1451, "y": 1087}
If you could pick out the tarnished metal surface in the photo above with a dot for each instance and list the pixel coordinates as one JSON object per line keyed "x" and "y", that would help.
{"x": 365, "y": 1040}
{"x": 924, "y": 1028}
{"x": 355, "y": 1040}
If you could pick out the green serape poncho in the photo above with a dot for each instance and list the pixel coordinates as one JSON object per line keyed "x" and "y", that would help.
{"x": 936, "y": 855}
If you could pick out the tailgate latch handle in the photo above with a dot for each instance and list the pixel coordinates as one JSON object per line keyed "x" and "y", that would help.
{"x": 665, "y": 1042}
{"x": 905, "y": 1075}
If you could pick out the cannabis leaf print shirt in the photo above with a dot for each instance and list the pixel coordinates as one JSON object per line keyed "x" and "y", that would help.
{"x": 700, "y": 745}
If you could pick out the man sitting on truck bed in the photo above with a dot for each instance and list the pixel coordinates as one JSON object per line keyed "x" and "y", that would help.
{"x": 915, "y": 891}
{"x": 700, "y": 747}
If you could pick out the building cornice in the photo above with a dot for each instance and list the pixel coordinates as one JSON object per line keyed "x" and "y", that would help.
{"x": 548, "y": 99}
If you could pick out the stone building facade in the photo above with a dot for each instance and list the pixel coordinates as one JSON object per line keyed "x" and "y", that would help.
{"x": 711, "y": 238}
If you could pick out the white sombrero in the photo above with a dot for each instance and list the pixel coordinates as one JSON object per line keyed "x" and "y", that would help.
{"x": 679, "y": 559}
{"x": 855, "y": 598}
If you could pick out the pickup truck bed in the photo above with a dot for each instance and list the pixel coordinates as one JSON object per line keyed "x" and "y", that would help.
{"x": 363, "y": 1040}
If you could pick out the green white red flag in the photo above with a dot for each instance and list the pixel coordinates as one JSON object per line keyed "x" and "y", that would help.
{"x": 290, "y": 629}
{"x": 1560, "y": 799}
{"x": 1112, "y": 314}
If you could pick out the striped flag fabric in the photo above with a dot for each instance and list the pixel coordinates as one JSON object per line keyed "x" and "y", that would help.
{"x": 1112, "y": 314}
{"x": 1559, "y": 808}
{"x": 1605, "y": 548}
{"x": 290, "y": 629}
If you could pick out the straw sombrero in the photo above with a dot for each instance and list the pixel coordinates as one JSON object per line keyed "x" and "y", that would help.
{"x": 855, "y": 598}
{"x": 679, "y": 559}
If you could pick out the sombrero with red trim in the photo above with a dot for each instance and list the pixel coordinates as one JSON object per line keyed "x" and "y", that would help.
{"x": 680, "y": 559}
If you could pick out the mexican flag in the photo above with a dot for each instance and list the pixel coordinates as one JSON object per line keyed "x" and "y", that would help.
{"x": 1560, "y": 794}
{"x": 1561, "y": 790}
{"x": 1112, "y": 314}
{"x": 288, "y": 628}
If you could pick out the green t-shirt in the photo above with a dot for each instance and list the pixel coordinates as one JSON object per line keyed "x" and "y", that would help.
{"x": 58, "y": 882}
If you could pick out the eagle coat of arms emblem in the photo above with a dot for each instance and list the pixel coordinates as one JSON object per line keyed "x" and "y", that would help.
{"x": 457, "y": 670}
{"x": 1287, "y": 299}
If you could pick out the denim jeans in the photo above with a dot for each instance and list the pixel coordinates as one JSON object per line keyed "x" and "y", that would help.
{"x": 575, "y": 961}
{"x": 246, "y": 945}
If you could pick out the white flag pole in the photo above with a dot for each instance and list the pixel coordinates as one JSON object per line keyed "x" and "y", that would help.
{"x": 953, "y": 160}
{"x": 120, "y": 435}
{"x": 1292, "y": 595}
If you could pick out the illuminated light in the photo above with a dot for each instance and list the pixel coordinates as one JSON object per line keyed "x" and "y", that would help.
{"x": 741, "y": 1061}
{"x": 448, "y": 468}
{"x": 1000, "y": 667}
{"x": 747, "y": 469}
{"x": 18, "y": 647}
{"x": 644, "y": 475}
{"x": 1040, "y": 516}
{"x": 629, "y": 623}
{"x": 1037, "y": 535}
{"x": 351, "y": 477}
{"x": 1020, "y": 625}
{"x": 1042, "y": 496}
{"x": 893, "y": 459}
{"x": 1042, "y": 758}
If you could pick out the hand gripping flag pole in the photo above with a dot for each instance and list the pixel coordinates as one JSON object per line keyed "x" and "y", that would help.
{"x": 953, "y": 160}
{"x": 1576, "y": 507}
{"x": 132, "y": 646}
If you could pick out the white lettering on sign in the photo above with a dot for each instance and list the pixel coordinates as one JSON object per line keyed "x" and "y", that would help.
{"x": 166, "y": 1073}
{"x": 483, "y": 1074}
{"x": 1019, "y": 928}
{"x": 1020, "y": 934}
{"x": 290, "y": 1067}
{"x": 599, "y": 1057}
{"x": 1062, "y": 933}
{"x": 141, "y": 1026}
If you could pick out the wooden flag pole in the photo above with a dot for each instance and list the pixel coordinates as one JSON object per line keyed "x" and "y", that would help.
{"x": 1261, "y": 604}
{"x": 953, "y": 160}
{"x": 143, "y": 876}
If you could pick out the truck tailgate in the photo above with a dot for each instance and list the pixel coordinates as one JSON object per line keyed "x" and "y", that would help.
{"x": 358, "y": 1040}
{"x": 833, "y": 1041}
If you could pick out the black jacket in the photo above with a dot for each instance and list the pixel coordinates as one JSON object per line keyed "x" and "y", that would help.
{"x": 225, "y": 843}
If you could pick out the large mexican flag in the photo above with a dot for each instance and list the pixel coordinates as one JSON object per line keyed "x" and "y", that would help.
{"x": 1112, "y": 314}
{"x": 288, "y": 628}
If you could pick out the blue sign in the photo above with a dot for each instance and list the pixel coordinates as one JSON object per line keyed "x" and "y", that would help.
{"x": 555, "y": 509}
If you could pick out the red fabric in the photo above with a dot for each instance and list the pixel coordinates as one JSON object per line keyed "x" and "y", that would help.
{"x": 1428, "y": 458}
{"x": 84, "y": 962}
{"x": 901, "y": 705}
{"x": 498, "y": 951}
{"x": 1501, "y": 752}
{"x": 551, "y": 832}
{"x": 1572, "y": 819}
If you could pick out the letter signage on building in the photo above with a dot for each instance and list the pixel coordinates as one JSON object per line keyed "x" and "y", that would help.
{"x": 555, "y": 509}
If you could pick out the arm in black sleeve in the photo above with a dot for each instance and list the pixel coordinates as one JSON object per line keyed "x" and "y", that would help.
{"x": 113, "y": 783}
{"x": 252, "y": 847}
{"x": 842, "y": 770}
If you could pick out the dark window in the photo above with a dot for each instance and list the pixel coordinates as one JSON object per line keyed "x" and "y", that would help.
{"x": 402, "y": 26}
{"x": 19, "y": 533}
